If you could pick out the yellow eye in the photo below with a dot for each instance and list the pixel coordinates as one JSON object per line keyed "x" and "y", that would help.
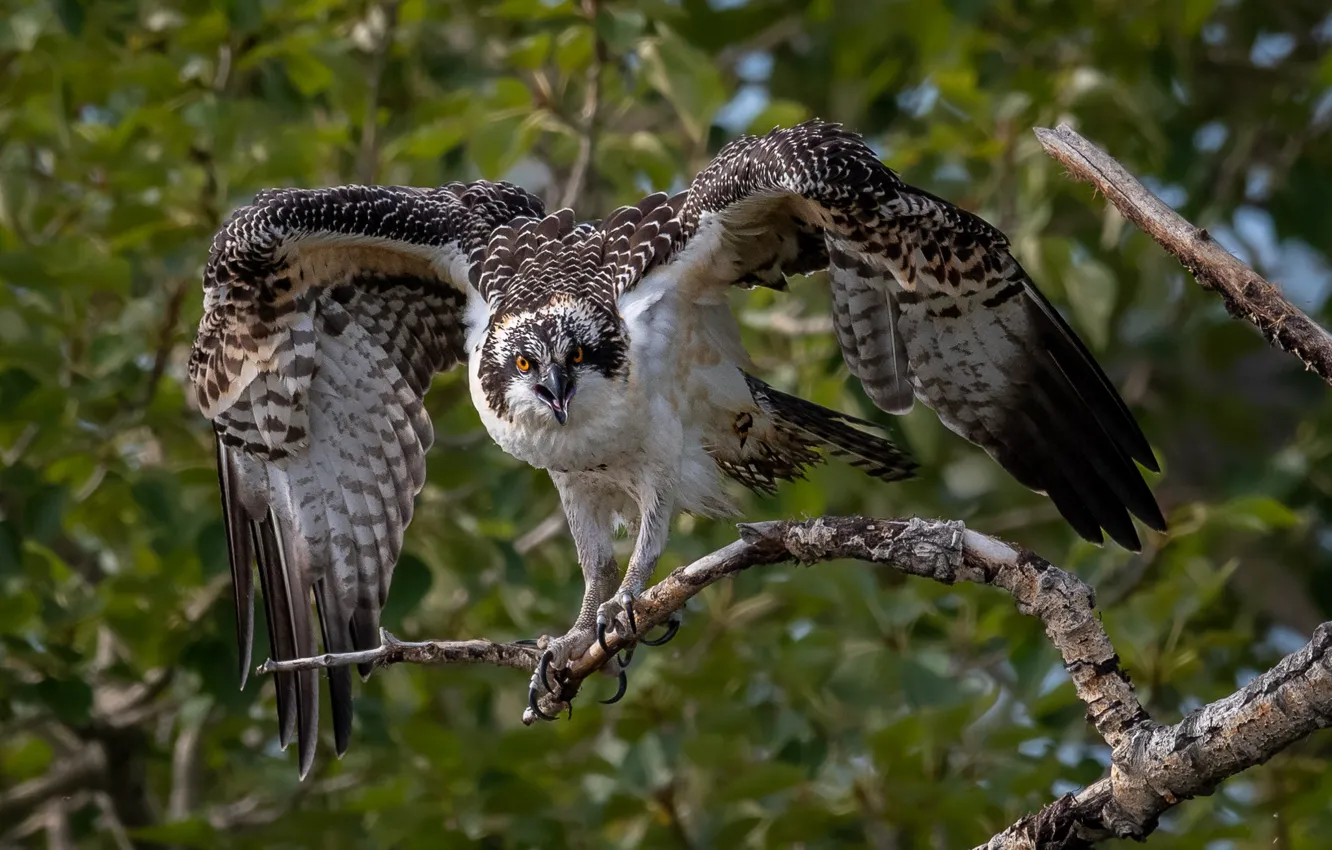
{"x": 578, "y": 355}
{"x": 522, "y": 363}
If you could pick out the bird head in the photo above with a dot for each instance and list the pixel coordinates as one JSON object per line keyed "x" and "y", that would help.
{"x": 534, "y": 362}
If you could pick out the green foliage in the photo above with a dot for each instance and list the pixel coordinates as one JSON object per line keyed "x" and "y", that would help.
{"x": 830, "y": 706}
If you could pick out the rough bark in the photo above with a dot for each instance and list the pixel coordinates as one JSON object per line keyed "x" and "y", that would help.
{"x": 1153, "y": 767}
{"x": 1246, "y": 294}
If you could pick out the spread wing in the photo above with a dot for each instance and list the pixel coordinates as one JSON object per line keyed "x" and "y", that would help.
{"x": 928, "y": 303}
{"x": 326, "y": 313}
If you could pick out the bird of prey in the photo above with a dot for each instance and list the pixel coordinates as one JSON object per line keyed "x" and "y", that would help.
{"x": 606, "y": 353}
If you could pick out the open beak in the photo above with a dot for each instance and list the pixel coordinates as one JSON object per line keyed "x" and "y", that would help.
{"x": 555, "y": 388}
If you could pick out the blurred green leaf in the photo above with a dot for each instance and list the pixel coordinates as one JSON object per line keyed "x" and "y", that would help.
{"x": 685, "y": 77}
{"x": 1092, "y": 291}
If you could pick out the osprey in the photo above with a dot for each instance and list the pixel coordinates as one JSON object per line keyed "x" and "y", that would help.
{"x": 606, "y": 353}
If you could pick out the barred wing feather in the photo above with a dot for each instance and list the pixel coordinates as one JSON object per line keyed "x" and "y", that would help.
{"x": 928, "y": 304}
{"x": 327, "y": 312}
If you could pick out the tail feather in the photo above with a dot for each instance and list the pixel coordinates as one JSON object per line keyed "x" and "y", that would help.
{"x": 834, "y": 432}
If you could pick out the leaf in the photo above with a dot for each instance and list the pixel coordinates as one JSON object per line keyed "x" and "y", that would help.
{"x": 760, "y": 780}
{"x": 186, "y": 833}
{"x": 25, "y": 757}
{"x": 1092, "y": 292}
{"x": 69, "y": 699}
{"x": 1258, "y": 513}
{"x": 309, "y": 74}
{"x": 779, "y": 113}
{"x": 684, "y": 76}
{"x": 411, "y": 582}
{"x": 71, "y": 15}
{"x": 429, "y": 141}
{"x": 573, "y": 49}
{"x": 925, "y": 688}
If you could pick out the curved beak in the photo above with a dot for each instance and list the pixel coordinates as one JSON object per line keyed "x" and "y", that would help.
{"x": 555, "y": 388}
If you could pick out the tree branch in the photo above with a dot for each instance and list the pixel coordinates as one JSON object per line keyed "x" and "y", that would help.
{"x": 384, "y": 18}
{"x": 1246, "y": 294}
{"x": 71, "y": 773}
{"x": 1153, "y": 767}
{"x": 393, "y": 651}
{"x": 1164, "y": 765}
{"x": 587, "y": 127}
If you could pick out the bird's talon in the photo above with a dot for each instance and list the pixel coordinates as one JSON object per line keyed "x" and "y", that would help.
{"x": 627, "y": 603}
{"x": 621, "y": 686}
{"x": 601, "y": 635}
{"x": 543, "y": 670}
{"x": 532, "y": 703}
{"x": 625, "y": 657}
{"x": 672, "y": 626}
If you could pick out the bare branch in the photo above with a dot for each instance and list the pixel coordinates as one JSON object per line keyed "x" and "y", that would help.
{"x": 394, "y": 651}
{"x": 1164, "y": 765}
{"x": 1154, "y": 767}
{"x": 548, "y": 529}
{"x": 166, "y": 340}
{"x": 185, "y": 767}
{"x": 786, "y": 321}
{"x": 944, "y": 551}
{"x": 70, "y": 774}
{"x": 587, "y": 126}
{"x": 1246, "y": 294}
{"x": 58, "y": 834}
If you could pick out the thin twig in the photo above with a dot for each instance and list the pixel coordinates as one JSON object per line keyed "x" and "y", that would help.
{"x": 71, "y": 773}
{"x": 580, "y": 174}
{"x": 367, "y": 158}
{"x": 185, "y": 767}
{"x": 543, "y": 532}
{"x": 1246, "y": 294}
{"x": 166, "y": 338}
{"x": 58, "y": 834}
{"x": 393, "y": 651}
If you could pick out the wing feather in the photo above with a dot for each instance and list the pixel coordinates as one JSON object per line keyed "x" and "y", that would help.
{"x": 326, "y": 314}
{"x": 240, "y": 546}
{"x": 928, "y": 303}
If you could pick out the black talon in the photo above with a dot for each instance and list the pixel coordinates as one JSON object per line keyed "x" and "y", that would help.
{"x": 532, "y": 704}
{"x": 620, "y": 688}
{"x": 629, "y": 612}
{"x": 672, "y": 626}
{"x": 626, "y": 657}
{"x": 601, "y": 637}
{"x": 543, "y": 670}
{"x": 526, "y": 642}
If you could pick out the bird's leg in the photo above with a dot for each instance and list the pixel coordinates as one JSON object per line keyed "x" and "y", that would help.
{"x": 593, "y": 535}
{"x": 653, "y": 530}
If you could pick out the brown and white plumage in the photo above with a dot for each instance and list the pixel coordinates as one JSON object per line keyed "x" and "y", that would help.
{"x": 327, "y": 312}
{"x": 606, "y": 353}
{"x": 928, "y": 302}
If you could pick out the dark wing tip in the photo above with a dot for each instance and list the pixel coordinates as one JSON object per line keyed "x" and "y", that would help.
{"x": 240, "y": 557}
{"x": 307, "y": 730}
{"x": 1085, "y": 374}
{"x": 337, "y": 639}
